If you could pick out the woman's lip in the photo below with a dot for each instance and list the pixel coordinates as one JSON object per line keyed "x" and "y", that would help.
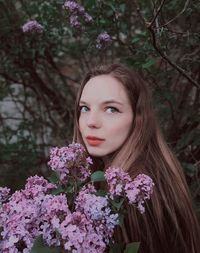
{"x": 94, "y": 142}
{"x": 94, "y": 138}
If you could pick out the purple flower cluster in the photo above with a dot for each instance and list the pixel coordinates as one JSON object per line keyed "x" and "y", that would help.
{"x": 32, "y": 26}
{"x": 117, "y": 180}
{"x": 103, "y": 41}
{"x": 97, "y": 210}
{"x": 77, "y": 12}
{"x": 73, "y": 7}
{"x": 79, "y": 235}
{"x": 86, "y": 226}
{"x": 33, "y": 211}
{"x": 90, "y": 227}
{"x": 70, "y": 161}
{"x": 137, "y": 190}
{"x": 28, "y": 214}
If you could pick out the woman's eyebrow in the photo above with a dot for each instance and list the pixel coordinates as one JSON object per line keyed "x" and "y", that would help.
{"x": 112, "y": 101}
{"x": 82, "y": 102}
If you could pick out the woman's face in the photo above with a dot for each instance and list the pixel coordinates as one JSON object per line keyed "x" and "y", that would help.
{"x": 106, "y": 115}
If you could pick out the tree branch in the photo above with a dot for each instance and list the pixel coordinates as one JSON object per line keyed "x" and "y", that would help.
{"x": 157, "y": 13}
{"x": 183, "y": 10}
{"x": 173, "y": 64}
{"x": 159, "y": 50}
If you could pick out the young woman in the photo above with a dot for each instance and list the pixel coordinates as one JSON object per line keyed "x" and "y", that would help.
{"x": 115, "y": 121}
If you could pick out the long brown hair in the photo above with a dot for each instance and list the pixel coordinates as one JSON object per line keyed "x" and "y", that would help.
{"x": 169, "y": 223}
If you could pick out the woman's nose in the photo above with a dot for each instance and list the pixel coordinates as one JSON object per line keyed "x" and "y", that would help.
{"x": 94, "y": 120}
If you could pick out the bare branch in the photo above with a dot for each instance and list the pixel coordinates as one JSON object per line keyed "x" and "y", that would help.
{"x": 159, "y": 50}
{"x": 183, "y": 10}
{"x": 157, "y": 13}
{"x": 173, "y": 64}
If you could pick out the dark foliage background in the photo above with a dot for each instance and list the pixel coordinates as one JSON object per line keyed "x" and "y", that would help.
{"x": 40, "y": 74}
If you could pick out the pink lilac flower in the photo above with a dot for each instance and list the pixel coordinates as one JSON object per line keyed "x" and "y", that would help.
{"x": 36, "y": 185}
{"x": 79, "y": 235}
{"x": 76, "y": 14}
{"x": 32, "y": 26}
{"x": 73, "y": 7}
{"x": 19, "y": 219}
{"x": 139, "y": 190}
{"x": 89, "y": 227}
{"x": 87, "y": 189}
{"x": 74, "y": 21}
{"x": 70, "y": 161}
{"x": 87, "y": 18}
{"x": 4, "y": 193}
{"x": 73, "y": 230}
{"x": 97, "y": 210}
{"x": 30, "y": 213}
{"x": 103, "y": 40}
{"x": 53, "y": 211}
{"x": 117, "y": 180}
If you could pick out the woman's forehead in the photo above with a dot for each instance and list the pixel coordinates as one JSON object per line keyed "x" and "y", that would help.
{"x": 104, "y": 88}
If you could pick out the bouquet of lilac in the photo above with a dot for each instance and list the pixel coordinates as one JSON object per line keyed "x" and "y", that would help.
{"x": 67, "y": 213}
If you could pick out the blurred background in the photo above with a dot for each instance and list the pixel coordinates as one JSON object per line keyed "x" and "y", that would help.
{"x": 46, "y": 47}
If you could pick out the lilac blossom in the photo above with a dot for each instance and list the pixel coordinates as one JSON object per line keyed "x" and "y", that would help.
{"x": 74, "y": 21}
{"x": 37, "y": 185}
{"x": 76, "y": 14}
{"x": 97, "y": 210}
{"x": 19, "y": 219}
{"x": 85, "y": 226}
{"x": 22, "y": 215}
{"x": 32, "y": 26}
{"x": 70, "y": 161}
{"x": 103, "y": 40}
{"x": 73, "y": 230}
{"x": 79, "y": 235}
{"x": 88, "y": 18}
{"x": 4, "y": 193}
{"x": 139, "y": 190}
{"x": 26, "y": 216}
{"x": 73, "y": 7}
{"x": 87, "y": 189}
{"x": 117, "y": 180}
{"x": 54, "y": 208}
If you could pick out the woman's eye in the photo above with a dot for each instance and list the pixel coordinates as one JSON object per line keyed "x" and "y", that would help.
{"x": 84, "y": 108}
{"x": 111, "y": 109}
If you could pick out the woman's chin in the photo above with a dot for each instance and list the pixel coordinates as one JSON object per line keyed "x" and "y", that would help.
{"x": 95, "y": 152}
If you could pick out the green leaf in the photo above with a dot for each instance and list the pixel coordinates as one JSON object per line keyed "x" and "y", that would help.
{"x": 135, "y": 39}
{"x": 57, "y": 190}
{"x": 122, "y": 7}
{"x": 69, "y": 189}
{"x": 98, "y": 176}
{"x": 148, "y": 64}
{"x": 101, "y": 193}
{"x": 39, "y": 247}
{"x": 110, "y": 5}
{"x": 117, "y": 204}
{"x": 132, "y": 247}
{"x": 53, "y": 178}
